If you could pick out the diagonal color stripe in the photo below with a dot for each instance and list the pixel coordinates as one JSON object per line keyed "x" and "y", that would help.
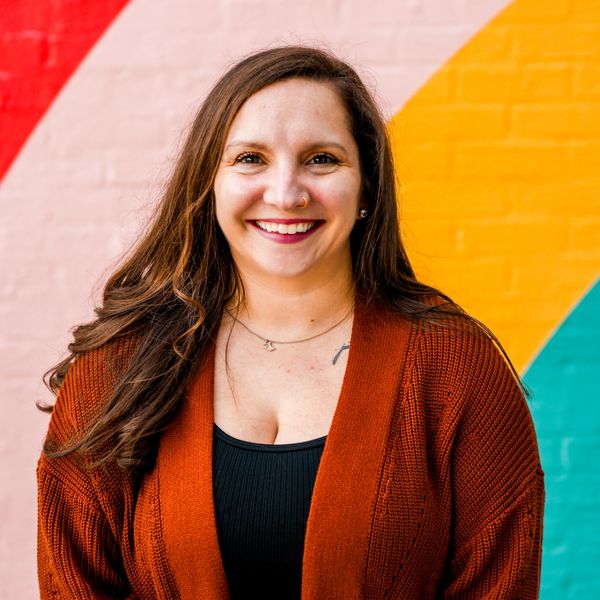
{"x": 41, "y": 44}
{"x": 498, "y": 155}
{"x": 566, "y": 391}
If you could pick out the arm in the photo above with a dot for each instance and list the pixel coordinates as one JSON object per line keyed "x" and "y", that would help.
{"x": 502, "y": 560}
{"x": 78, "y": 555}
{"x": 498, "y": 489}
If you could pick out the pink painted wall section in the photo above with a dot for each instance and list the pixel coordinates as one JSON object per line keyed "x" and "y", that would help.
{"x": 42, "y": 44}
{"x": 85, "y": 179}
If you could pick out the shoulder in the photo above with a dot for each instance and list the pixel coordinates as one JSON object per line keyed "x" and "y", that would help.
{"x": 462, "y": 373}
{"x": 451, "y": 359}
{"x": 461, "y": 350}
{"x": 450, "y": 347}
{"x": 455, "y": 344}
{"x": 88, "y": 384}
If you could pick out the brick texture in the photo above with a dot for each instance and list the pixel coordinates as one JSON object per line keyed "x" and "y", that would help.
{"x": 497, "y": 154}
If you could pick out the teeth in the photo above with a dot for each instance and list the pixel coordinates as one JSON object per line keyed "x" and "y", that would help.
{"x": 283, "y": 228}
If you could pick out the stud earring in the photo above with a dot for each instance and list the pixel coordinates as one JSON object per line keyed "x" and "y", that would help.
{"x": 362, "y": 213}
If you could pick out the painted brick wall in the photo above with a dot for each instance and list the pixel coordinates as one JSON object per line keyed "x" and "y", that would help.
{"x": 499, "y": 155}
{"x": 495, "y": 119}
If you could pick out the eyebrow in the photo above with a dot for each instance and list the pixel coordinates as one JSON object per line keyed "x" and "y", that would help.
{"x": 237, "y": 143}
{"x": 259, "y": 146}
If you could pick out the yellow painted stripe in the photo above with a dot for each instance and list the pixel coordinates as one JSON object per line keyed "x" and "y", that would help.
{"x": 498, "y": 156}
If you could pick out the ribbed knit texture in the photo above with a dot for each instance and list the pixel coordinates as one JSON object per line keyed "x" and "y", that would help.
{"x": 262, "y": 497}
{"x": 429, "y": 485}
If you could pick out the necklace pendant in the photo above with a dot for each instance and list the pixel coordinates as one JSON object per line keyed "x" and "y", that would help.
{"x": 268, "y": 346}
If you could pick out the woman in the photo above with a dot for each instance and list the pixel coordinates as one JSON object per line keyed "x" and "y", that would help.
{"x": 267, "y": 325}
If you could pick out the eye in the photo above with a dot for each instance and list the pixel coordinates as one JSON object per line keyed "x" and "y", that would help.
{"x": 323, "y": 159}
{"x": 248, "y": 158}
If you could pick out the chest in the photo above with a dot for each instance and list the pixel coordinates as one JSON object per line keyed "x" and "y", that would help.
{"x": 286, "y": 395}
{"x": 376, "y": 526}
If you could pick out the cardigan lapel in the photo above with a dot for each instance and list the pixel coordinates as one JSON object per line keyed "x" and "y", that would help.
{"x": 348, "y": 478}
{"x": 186, "y": 494}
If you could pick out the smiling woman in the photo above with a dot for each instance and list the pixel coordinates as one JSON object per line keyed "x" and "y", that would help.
{"x": 287, "y": 197}
{"x": 269, "y": 404}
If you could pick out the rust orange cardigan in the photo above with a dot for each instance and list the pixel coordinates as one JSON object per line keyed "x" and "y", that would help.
{"x": 429, "y": 486}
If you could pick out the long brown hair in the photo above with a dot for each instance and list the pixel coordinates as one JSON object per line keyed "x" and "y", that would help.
{"x": 170, "y": 291}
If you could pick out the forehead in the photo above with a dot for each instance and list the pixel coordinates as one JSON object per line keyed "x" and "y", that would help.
{"x": 297, "y": 105}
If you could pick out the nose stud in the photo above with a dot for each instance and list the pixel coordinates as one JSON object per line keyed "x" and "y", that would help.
{"x": 304, "y": 200}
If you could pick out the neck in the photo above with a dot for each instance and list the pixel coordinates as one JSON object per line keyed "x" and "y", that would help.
{"x": 293, "y": 310}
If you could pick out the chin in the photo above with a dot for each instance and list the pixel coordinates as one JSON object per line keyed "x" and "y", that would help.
{"x": 284, "y": 271}
{"x": 302, "y": 266}
{"x": 286, "y": 274}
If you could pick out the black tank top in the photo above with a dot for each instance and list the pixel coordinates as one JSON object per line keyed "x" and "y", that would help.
{"x": 262, "y": 495}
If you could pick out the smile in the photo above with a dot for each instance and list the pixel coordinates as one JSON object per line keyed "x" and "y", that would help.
{"x": 286, "y": 228}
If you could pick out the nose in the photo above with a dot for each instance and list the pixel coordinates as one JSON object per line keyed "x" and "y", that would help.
{"x": 283, "y": 188}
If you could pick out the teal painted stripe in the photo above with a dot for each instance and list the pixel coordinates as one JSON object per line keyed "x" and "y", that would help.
{"x": 565, "y": 381}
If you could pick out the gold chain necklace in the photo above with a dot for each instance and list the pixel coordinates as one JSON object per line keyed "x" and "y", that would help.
{"x": 268, "y": 343}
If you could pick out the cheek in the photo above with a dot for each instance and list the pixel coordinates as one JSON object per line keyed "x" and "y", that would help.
{"x": 236, "y": 192}
{"x": 341, "y": 196}
{"x": 230, "y": 201}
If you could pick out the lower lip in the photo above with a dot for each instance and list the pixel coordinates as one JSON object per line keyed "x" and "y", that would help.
{"x": 287, "y": 238}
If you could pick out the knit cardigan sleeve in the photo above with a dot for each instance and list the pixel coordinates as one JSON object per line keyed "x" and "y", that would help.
{"x": 78, "y": 553}
{"x": 497, "y": 480}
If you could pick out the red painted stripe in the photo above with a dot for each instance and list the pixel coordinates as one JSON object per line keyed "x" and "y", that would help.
{"x": 41, "y": 44}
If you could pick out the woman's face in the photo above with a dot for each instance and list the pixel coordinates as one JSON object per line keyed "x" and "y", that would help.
{"x": 289, "y": 141}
